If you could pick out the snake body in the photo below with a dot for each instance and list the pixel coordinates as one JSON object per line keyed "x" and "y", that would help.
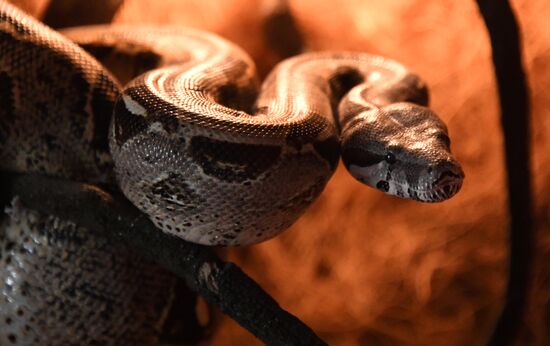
{"x": 217, "y": 162}
{"x": 196, "y": 143}
{"x": 61, "y": 284}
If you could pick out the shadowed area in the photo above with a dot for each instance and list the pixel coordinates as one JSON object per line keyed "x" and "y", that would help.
{"x": 66, "y": 13}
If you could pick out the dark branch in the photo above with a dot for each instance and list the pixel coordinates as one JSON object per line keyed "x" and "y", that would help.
{"x": 67, "y": 13}
{"x": 514, "y": 105}
{"x": 220, "y": 283}
{"x": 281, "y": 31}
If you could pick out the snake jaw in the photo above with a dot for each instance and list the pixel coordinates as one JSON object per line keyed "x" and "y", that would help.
{"x": 438, "y": 194}
{"x": 447, "y": 184}
{"x": 433, "y": 184}
{"x": 441, "y": 183}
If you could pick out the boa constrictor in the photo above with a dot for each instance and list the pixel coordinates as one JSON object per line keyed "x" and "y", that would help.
{"x": 195, "y": 143}
{"x": 190, "y": 146}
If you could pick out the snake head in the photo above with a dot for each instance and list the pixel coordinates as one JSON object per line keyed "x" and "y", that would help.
{"x": 404, "y": 150}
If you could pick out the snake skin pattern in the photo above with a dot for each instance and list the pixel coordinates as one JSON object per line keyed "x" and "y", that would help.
{"x": 63, "y": 285}
{"x": 206, "y": 156}
{"x": 196, "y": 143}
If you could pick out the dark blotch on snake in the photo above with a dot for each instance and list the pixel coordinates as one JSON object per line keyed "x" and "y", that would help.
{"x": 308, "y": 194}
{"x": 383, "y": 185}
{"x": 360, "y": 157}
{"x": 232, "y": 162}
{"x": 174, "y": 191}
{"x": 163, "y": 116}
{"x": 127, "y": 124}
{"x": 169, "y": 123}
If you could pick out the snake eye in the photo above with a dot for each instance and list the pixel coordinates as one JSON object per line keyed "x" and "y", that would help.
{"x": 390, "y": 158}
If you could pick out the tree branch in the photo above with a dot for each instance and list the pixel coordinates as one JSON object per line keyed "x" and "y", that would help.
{"x": 514, "y": 105}
{"x": 220, "y": 283}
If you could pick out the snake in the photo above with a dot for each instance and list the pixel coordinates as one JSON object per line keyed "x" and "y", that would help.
{"x": 177, "y": 119}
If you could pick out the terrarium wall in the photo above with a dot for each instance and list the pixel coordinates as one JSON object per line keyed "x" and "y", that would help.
{"x": 364, "y": 268}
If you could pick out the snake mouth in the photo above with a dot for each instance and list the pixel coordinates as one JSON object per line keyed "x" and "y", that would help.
{"x": 438, "y": 193}
{"x": 448, "y": 177}
{"x": 443, "y": 188}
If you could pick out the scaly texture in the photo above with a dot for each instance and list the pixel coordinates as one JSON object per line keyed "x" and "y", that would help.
{"x": 213, "y": 163}
{"x": 56, "y": 102}
{"x": 61, "y": 284}
{"x": 64, "y": 285}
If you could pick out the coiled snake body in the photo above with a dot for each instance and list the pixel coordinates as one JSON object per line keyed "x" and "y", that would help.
{"x": 195, "y": 144}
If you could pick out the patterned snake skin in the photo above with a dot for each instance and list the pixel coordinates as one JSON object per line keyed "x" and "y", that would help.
{"x": 212, "y": 162}
{"x": 63, "y": 285}
{"x": 195, "y": 143}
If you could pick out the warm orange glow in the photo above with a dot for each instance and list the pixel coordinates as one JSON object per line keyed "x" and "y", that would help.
{"x": 364, "y": 268}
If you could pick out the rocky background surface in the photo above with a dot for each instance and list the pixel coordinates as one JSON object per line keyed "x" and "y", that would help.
{"x": 361, "y": 267}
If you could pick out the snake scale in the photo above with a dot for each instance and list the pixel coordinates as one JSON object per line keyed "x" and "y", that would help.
{"x": 195, "y": 142}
